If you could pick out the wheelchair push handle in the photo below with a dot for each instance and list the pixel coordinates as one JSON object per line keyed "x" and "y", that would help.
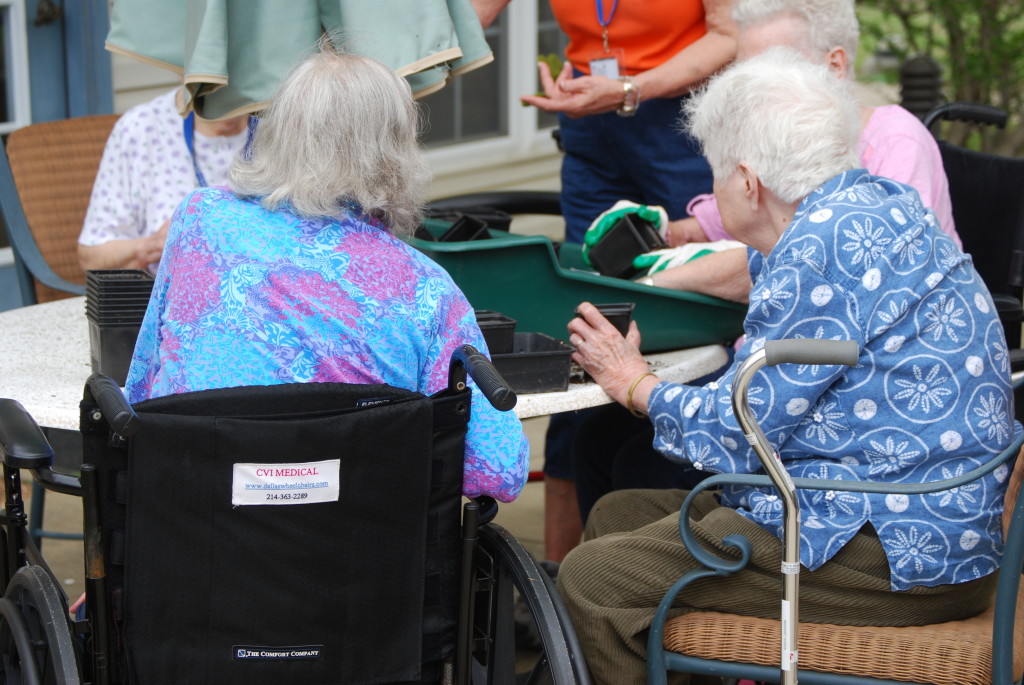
{"x": 970, "y": 112}
{"x": 114, "y": 407}
{"x": 487, "y": 378}
{"x": 811, "y": 351}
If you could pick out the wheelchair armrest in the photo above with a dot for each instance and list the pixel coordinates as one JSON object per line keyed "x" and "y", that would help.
{"x": 1008, "y": 308}
{"x": 1016, "y": 362}
{"x": 22, "y": 442}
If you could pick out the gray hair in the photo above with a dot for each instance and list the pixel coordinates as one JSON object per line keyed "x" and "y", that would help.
{"x": 793, "y": 123}
{"x": 341, "y": 130}
{"x": 828, "y": 23}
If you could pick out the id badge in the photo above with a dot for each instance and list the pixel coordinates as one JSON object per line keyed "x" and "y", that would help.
{"x": 608, "y": 63}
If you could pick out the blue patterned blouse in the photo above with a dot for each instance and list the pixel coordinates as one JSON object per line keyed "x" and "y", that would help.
{"x": 863, "y": 260}
{"x": 245, "y": 296}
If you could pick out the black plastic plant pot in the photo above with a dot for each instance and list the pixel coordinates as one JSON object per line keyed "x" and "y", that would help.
{"x": 465, "y": 228}
{"x": 423, "y": 233}
{"x": 495, "y": 219}
{"x": 619, "y": 314}
{"x": 118, "y": 275}
{"x": 630, "y": 236}
{"x": 538, "y": 363}
{"x": 109, "y": 320}
{"x": 498, "y": 330}
{"x": 111, "y": 349}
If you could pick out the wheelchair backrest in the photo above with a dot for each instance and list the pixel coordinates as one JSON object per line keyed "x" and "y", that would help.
{"x": 291, "y": 533}
{"x": 988, "y": 209}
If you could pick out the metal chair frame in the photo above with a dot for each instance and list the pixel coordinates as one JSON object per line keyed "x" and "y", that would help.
{"x": 40, "y": 160}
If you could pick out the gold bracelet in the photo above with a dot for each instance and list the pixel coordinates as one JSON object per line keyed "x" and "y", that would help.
{"x": 630, "y": 97}
{"x": 629, "y": 395}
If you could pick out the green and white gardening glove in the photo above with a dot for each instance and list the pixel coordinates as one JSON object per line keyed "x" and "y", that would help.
{"x": 652, "y": 214}
{"x": 659, "y": 260}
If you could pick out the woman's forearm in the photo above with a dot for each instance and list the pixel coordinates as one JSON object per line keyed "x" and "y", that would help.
{"x": 115, "y": 254}
{"x": 693, "y": 64}
{"x": 719, "y": 274}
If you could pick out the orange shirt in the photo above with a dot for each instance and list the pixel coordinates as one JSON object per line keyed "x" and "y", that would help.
{"x": 649, "y": 31}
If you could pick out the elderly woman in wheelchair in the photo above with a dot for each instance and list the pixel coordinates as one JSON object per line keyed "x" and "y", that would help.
{"x": 283, "y": 500}
{"x": 296, "y": 273}
{"x": 836, "y": 254}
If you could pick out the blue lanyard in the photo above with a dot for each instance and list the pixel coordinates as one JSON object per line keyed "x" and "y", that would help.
{"x": 600, "y": 13}
{"x": 189, "y": 126}
{"x": 605, "y": 22}
{"x": 189, "y": 129}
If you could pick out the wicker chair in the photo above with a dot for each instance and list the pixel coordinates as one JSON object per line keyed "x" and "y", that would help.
{"x": 46, "y": 179}
{"x": 970, "y": 652}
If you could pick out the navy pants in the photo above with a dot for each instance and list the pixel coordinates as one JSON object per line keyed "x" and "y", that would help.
{"x": 644, "y": 158}
{"x": 613, "y": 450}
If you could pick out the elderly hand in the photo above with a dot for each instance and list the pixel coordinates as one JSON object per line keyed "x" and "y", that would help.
{"x": 614, "y": 362}
{"x": 577, "y": 97}
{"x": 149, "y": 249}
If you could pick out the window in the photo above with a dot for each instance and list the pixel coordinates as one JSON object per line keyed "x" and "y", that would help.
{"x": 475, "y": 105}
{"x": 477, "y": 120}
{"x": 15, "y": 106}
{"x": 550, "y": 41}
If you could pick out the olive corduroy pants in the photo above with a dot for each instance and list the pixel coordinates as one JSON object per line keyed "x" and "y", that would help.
{"x": 613, "y": 582}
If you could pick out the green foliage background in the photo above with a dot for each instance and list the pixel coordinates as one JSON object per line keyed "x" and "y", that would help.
{"x": 980, "y": 45}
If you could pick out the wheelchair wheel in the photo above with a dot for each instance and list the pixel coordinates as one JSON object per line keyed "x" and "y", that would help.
{"x": 560, "y": 661}
{"x": 36, "y": 644}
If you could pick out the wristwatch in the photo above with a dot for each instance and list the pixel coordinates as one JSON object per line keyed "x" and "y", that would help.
{"x": 630, "y": 97}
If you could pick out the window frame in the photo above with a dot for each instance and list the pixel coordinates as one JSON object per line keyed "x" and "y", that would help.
{"x": 18, "y": 89}
{"x": 525, "y": 139}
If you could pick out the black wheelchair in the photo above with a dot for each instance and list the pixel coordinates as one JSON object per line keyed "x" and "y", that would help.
{"x": 300, "y": 533}
{"x": 988, "y": 209}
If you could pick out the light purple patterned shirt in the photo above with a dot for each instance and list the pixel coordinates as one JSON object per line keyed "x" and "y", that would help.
{"x": 246, "y": 296}
{"x": 146, "y": 172}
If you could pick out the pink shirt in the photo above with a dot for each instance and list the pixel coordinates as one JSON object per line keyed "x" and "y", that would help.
{"x": 893, "y": 144}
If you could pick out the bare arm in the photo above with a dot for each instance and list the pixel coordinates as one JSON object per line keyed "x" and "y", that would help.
{"x": 135, "y": 253}
{"x": 689, "y": 67}
{"x": 701, "y": 59}
{"x": 488, "y": 10}
{"x": 685, "y": 230}
{"x": 719, "y": 274}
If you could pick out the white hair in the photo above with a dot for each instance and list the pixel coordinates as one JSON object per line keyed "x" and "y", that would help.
{"x": 793, "y": 123}
{"x": 828, "y": 24}
{"x": 340, "y": 131}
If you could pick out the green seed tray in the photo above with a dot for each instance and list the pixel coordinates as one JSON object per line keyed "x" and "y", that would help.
{"x": 522, "y": 277}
